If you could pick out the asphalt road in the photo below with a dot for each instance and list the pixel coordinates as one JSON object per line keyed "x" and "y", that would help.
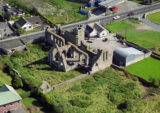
{"x": 107, "y": 19}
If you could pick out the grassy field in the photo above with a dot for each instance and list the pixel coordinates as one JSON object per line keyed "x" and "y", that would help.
{"x": 146, "y": 68}
{"x": 107, "y": 91}
{"x": 54, "y": 10}
{"x": 36, "y": 67}
{"x": 145, "y": 38}
{"x": 154, "y": 17}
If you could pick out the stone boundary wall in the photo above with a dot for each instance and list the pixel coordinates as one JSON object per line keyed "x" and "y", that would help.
{"x": 155, "y": 55}
{"x": 65, "y": 83}
{"x": 69, "y": 81}
{"x": 143, "y": 81}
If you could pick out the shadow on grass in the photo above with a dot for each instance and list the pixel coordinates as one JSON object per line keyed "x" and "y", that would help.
{"x": 44, "y": 109}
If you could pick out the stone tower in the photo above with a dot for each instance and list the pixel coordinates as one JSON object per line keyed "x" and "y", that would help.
{"x": 79, "y": 33}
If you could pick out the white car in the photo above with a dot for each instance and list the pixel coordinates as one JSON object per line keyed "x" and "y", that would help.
{"x": 116, "y": 17}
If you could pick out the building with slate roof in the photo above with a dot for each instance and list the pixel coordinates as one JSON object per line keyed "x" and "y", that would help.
{"x": 23, "y": 24}
{"x": 10, "y": 101}
{"x": 96, "y": 30}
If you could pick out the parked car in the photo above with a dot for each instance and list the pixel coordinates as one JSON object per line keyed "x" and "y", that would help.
{"x": 116, "y": 17}
{"x": 131, "y": 14}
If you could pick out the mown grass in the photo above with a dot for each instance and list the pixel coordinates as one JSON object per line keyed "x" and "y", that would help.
{"x": 145, "y": 38}
{"x": 154, "y": 17}
{"x": 146, "y": 68}
{"x": 107, "y": 91}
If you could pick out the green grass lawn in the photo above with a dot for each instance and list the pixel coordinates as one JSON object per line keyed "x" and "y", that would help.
{"x": 146, "y": 68}
{"x": 145, "y": 38}
{"x": 154, "y": 17}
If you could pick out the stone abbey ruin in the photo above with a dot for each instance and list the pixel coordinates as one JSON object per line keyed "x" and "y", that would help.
{"x": 70, "y": 50}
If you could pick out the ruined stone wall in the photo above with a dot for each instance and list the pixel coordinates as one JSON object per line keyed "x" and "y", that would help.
{"x": 52, "y": 38}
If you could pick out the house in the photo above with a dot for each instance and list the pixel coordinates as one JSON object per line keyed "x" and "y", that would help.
{"x": 127, "y": 56}
{"x": 22, "y": 23}
{"x": 96, "y": 30}
{"x": 5, "y": 31}
{"x": 35, "y": 21}
{"x": 10, "y": 101}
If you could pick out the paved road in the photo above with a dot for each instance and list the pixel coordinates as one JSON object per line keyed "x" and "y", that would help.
{"x": 107, "y": 19}
{"x": 149, "y": 23}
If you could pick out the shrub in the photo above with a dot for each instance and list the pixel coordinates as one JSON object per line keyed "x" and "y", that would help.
{"x": 81, "y": 100}
{"x": 17, "y": 82}
{"x": 25, "y": 94}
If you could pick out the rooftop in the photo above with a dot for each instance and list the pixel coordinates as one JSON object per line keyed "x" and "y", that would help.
{"x": 8, "y": 95}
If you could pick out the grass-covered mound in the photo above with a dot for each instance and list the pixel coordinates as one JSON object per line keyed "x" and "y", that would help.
{"x": 147, "y": 68}
{"x": 145, "y": 38}
{"x": 154, "y": 17}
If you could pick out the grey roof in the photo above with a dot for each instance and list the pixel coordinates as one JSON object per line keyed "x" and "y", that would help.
{"x": 21, "y": 22}
{"x": 4, "y": 26}
{"x": 125, "y": 52}
{"x": 34, "y": 19}
{"x": 8, "y": 95}
{"x": 88, "y": 29}
{"x": 110, "y": 3}
{"x": 11, "y": 44}
{"x": 98, "y": 27}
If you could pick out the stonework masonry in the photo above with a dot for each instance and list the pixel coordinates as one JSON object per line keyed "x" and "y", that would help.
{"x": 70, "y": 50}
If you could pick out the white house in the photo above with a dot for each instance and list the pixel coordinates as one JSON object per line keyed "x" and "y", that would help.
{"x": 23, "y": 24}
{"x": 96, "y": 30}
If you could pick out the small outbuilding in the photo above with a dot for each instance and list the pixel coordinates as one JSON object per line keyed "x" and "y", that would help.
{"x": 127, "y": 56}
